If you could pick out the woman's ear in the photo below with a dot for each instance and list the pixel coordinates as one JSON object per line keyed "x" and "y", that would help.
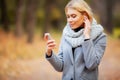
{"x": 85, "y": 14}
{"x": 88, "y": 16}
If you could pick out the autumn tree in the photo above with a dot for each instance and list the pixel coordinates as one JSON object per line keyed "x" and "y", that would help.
{"x": 4, "y": 16}
{"x": 19, "y": 18}
{"x": 47, "y": 9}
{"x": 31, "y": 18}
{"x": 104, "y": 8}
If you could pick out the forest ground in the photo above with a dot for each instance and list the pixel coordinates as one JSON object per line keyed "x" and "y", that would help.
{"x": 22, "y": 61}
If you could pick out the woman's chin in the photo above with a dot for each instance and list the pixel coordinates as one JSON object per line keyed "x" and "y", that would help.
{"x": 72, "y": 27}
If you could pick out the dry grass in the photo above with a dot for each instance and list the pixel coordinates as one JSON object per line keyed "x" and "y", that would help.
{"x": 18, "y": 48}
{"x": 14, "y": 52}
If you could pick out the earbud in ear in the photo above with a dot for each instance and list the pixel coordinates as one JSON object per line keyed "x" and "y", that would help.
{"x": 85, "y": 17}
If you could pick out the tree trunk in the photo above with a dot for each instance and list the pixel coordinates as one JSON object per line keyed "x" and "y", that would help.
{"x": 109, "y": 23}
{"x": 31, "y": 18}
{"x": 19, "y": 18}
{"x": 62, "y": 20}
{"x": 47, "y": 16}
{"x": 4, "y": 17}
{"x": 105, "y": 10}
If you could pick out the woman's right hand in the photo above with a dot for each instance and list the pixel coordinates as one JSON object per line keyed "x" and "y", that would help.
{"x": 50, "y": 44}
{"x": 87, "y": 27}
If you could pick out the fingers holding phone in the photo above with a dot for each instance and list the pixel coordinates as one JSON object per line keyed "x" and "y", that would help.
{"x": 50, "y": 43}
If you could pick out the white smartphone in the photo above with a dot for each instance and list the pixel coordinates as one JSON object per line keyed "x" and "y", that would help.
{"x": 48, "y": 37}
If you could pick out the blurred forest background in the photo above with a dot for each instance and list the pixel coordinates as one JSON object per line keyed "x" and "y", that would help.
{"x": 23, "y": 24}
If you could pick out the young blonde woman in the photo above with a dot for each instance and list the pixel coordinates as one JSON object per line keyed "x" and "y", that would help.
{"x": 82, "y": 44}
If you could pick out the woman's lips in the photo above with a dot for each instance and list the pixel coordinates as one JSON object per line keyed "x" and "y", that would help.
{"x": 71, "y": 24}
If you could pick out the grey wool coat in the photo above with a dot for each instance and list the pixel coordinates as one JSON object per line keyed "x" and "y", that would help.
{"x": 84, "y": 64}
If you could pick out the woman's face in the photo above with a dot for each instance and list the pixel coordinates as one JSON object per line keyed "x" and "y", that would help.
{"x": 74, "y": 18}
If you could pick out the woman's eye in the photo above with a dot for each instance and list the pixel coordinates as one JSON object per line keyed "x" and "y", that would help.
{"x": 73, "y": 16}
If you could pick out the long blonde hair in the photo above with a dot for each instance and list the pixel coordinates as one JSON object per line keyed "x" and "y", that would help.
{"x": 81, "y": 6}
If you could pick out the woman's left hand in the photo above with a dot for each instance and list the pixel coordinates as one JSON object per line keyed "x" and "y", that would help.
{"x": 87, "y": 26}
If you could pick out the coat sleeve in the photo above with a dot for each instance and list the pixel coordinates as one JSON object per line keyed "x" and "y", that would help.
{"x": 57, "y": 60}
{"x": 93, "y": 52}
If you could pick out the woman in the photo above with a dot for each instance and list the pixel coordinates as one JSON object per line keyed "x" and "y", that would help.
{"x": 82, "y": 45}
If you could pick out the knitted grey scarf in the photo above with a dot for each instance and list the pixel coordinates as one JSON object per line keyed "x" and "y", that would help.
{"x": 77, "y": 38}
